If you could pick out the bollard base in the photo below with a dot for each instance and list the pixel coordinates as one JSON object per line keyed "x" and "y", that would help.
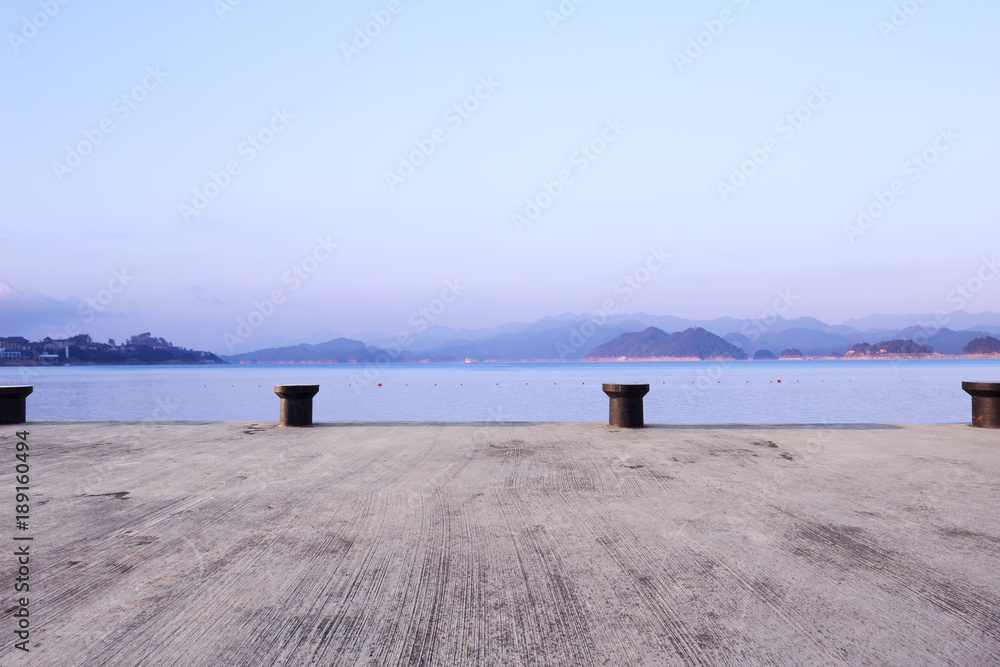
{"x": 296, "y": 403}
{"x": 625, "y": 407}
{"x": 13, "y": 404}
{"x": 985, "y": 403}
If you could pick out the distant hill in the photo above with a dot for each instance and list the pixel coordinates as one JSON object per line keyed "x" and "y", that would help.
{"x": 957, "y": 320}
{"x": 761, "y": 355}
{"x": 814, "y": 342}
{"x": 984, "y": 345}
{"x": 791, "y": 353}
{"x": 944, "y": 341}
{"x": 546, "y": 340}
{"x": 336, "y": 351}
{"x": 887, "y": 347}
{"x": 653, "y": 343}
{"x": 811, "y": 341}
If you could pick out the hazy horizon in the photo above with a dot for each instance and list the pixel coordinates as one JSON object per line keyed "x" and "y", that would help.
{"x": 768, "y": 321}
{"x": 177, "y": 169}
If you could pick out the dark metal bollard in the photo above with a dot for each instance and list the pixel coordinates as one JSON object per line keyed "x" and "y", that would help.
{"x": 625, "y": 410}
{"x": 296, "y": 403}
{"x": 985, "y": 403}
{"x": 13, "y": 408}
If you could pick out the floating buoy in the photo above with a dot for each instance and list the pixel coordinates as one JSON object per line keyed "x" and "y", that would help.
{"x": 380, "y": 384}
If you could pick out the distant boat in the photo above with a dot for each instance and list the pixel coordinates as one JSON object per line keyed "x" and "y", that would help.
{"x": 468, "y": 360}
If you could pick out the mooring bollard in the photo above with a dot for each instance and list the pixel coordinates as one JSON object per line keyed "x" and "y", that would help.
{"x": 296, "y": 403}
{"x": 13, "y": 406}
{"x": 625, "y": 409}
{"x": 985, "y": 403}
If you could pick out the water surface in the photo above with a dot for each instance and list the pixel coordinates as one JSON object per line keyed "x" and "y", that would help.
{"x": 908, "y": 391}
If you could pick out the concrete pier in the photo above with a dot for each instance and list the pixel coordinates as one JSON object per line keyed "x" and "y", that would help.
{"x": 296, "y": 403}
{"x": 985, "y": 403}
{"x": 625, "y": 404}
{"x": 13, "y": 404}
{"x": 238, "y": 543}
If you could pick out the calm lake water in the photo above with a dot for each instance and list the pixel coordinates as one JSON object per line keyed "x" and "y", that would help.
{"x": 906, "y": 391}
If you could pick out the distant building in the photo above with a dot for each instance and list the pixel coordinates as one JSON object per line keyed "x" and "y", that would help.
{"x": 55, "y": 346}
{"x": 9, "y": 354}
{"x": 15, "y": 343}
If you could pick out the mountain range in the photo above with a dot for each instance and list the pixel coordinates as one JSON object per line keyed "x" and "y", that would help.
{"x": 572, "y": 337}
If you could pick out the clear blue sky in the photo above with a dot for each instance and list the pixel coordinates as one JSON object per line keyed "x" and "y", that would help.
{"x": 338, "y": 122}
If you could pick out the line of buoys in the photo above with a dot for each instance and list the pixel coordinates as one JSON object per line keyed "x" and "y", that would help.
{"x": 462, "y": 384}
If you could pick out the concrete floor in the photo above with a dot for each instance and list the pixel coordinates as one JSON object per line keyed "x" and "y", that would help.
{"x": 504, "y": 544}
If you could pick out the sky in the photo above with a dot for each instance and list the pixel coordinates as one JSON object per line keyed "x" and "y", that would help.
{"x": 220, "y": 172}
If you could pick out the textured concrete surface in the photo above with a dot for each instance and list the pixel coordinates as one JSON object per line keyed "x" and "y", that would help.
{"x": 504, "y": 544}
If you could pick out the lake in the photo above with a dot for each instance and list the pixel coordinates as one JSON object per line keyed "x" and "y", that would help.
{"x": 882, "y": 391}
